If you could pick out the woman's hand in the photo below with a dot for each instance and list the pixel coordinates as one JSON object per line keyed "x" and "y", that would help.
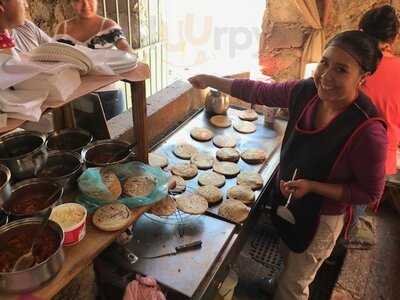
{"x": 299, "y": 187}
{"x": 204, "y": 81}
{"x": 283, "y": 187}
{"x": 199, "y": 81}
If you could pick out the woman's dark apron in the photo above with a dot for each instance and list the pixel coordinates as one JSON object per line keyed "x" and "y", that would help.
{"x": 313, "y": 153}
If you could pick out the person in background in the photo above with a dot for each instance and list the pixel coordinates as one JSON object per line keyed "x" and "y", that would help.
{"x": 93, "y": 31}
{"x": 24, "y": 34}
{"x": 28, "y": 36}
{"x": 383, "y": 86}
{"x": 12, "y": 14}
{"x": 336, "y": 141}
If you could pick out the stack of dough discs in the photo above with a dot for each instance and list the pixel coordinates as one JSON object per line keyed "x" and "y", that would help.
{"x": 185, "y": 151}
{"x": 111, "y": 217}
{"x": 244, "y": 127}
{"x": 248, "y": 115}
{"x": 234, "y": 210}
{"x": 185, "y": 170}
{"x": 164, "y": 207}
{"x": 179, "y": 185}
{"x": 201, "y": 134}
{"x": 226, "y": 168}
{"x": 139, "y": 186}
{"x": 224, "y": 141}
{"x": 221, "y": 121}
{"x": 254, "y": 156}
{"x": 212, "y": 178}
{"x": 242, "y": 193}
{"x": 228, "y": 154}
{"x": 251, "y": 179}
{"x": 192, "y": 204}
{"x": 157, "y": 160}
{"x": 211, "y": 193}
{"x": 203, "y": 161}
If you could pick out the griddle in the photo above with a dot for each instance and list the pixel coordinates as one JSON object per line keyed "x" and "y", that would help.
{"x": 185, "y": 271}
{"x": 264, "y": 138}
{"x": 154, "y": 235}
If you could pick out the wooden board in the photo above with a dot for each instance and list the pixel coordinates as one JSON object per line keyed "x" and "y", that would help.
{"x": 80, "y": 256}
{"x": 89, "y": 84}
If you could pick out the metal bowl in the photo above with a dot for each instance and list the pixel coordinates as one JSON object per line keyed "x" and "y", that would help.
{"x": 62, "y": 167}
{"x": 5, "y": 187}
{"x": 32, "y": 278}
{"x": 24, "y": 153}
{"x": 70, "y": 139}
{"x": 29, "y": 194}
{"x": 106, "y": 153}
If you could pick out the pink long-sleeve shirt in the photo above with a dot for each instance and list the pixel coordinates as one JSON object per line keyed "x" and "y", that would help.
{"x": 361, "y": 168}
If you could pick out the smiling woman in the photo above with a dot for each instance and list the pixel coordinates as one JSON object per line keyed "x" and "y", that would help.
{"x": 93, "y": 31}
{"x": 337, "y": 142}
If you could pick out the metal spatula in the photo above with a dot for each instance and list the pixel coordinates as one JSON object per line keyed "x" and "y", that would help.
{"x": 283, "y": 211}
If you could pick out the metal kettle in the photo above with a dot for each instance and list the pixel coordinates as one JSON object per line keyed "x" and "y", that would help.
{"x": 216, "y": 102}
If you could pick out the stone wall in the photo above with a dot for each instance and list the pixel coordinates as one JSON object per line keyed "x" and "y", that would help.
{"x": 284, "y": 32}
{"x": 48, "y": 13}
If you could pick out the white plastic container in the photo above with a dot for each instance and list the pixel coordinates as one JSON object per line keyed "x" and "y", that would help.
{"x": 74, "y": 232}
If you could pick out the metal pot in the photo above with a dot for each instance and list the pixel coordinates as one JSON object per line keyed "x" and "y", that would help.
{"x": 70, "y": 139}
{"x": 5, "y": 187}
{"x": 216, "y": 102}
{"x": 32, "y": 278}
{"x": 24, "y": 153}
{"x": 106, "y": 153}
{"x": 62, "y": 167}
{"x": 33, "y": 188}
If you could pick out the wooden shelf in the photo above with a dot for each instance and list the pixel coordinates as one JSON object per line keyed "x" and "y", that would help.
{"x": 89, "y": 84}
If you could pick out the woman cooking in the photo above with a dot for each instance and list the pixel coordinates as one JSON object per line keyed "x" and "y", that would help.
{"x": 336, "y": 141}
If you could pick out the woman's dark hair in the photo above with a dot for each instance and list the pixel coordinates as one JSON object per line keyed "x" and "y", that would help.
{"x": 361, "y": 46}
{"x": 381, "y": 23}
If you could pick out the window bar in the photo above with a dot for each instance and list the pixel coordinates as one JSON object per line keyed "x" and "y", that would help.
{"x": 117, "y": 10}
{"x": 128, "y": 3}
{"x": 162, "y": 66}
{"x": 148, "y": 22}
{"x": 130, "y": 43}
{"x": 104, "y": 9}
{"x": 149, "y": 42}
{"x": 155, "y": 69}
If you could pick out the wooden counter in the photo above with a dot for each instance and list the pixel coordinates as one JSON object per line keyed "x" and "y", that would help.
{"x": 79, "y": 257}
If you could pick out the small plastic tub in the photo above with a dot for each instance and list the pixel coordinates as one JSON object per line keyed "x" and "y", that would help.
{"x": 72, "y": 219}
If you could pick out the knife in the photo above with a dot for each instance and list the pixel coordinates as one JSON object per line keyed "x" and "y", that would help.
{"x": 178, "y": 249}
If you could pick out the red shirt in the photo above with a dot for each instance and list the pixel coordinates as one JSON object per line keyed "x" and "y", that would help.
{"x": 383, "y": 87}
{"x": 362, "y": 167}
